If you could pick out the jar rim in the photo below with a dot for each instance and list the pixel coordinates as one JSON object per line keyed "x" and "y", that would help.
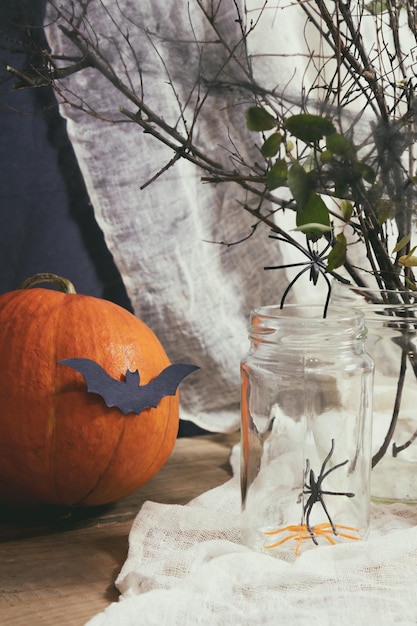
{"x": 310, "y": 312}
{"x": 300, "y": 323}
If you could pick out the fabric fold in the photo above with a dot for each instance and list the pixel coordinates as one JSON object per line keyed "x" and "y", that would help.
{"x": 174, "y": 241}
{"x": 187, "y": 565}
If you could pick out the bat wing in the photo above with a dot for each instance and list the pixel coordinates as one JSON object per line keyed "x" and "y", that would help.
{"x": 114, "y": 392}
{"x": 165, "y": 384}
{"x": 129, "y": 396}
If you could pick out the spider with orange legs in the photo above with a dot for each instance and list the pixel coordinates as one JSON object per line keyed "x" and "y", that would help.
{"x": 313, "y": 488}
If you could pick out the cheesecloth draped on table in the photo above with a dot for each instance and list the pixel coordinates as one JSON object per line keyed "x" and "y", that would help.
{"x": 187, "y": 567}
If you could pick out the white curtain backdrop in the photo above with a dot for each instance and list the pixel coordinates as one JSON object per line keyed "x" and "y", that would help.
{"x": 194, "y": 292}
{"x": 169, "y": 238}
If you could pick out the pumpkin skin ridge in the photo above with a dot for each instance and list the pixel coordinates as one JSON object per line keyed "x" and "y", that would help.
{"x": 142, "y": 349}
{"x": 149, "y": 367}
{"x": 91, "y": 491}
{"x": 55, "y": 409}
{"x": 155, "y": 464}
{"x": 97, "y": 319}
{"x": 14, "y": 303}
{"x": 49, "y": 425}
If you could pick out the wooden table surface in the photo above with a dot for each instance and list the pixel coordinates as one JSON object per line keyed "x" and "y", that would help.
{"x": 57, "y": 567}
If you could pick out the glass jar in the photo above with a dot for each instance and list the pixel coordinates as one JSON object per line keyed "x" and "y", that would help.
{"x": 306, "y": 424}
{"x": 391, "y": 320}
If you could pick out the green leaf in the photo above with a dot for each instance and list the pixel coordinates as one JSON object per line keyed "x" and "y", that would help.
{"x": 342, "y": 177}
{"x": 402, "y": 243}
{"x": 271, "y": 145}
{"x": 259, "y": 119}
{"x": 346, "y": 209}
{"x": 408, "y": 260}
{"x": 308, "y": 228}
{"x": 386, "y": 210}
{"x": 310, "y": 163}
{"x": 376, "y": 7}
{"x": 277, "y": 175}
{"x": 300, "y": 184}
{"x": 410, "y": 284}
{"x": 340, "y": 188}
{"x": 326, "y": 156}
{"x": 337, "y": 256}
{"x": 338, "y": 144}
{"x": 313, "y": 213}
{"x": 365, "y": 170}
{"x": 309, "y": 128}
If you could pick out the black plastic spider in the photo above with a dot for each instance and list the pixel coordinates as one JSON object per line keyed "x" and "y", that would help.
{"x": 315, "y": 264}
{"x": 316, "y": 493}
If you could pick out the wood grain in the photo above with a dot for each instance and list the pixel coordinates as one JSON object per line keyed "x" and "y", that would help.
{"x": 58, "y": 568}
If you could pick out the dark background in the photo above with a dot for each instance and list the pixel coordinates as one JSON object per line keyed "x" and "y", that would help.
{"x": 46, "y": 220}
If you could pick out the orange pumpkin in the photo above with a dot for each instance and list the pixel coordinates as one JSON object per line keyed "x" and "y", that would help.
{"x": 60, "y": 444}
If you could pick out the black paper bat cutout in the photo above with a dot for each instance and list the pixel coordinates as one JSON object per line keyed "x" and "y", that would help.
{"x": 130, "y": 396}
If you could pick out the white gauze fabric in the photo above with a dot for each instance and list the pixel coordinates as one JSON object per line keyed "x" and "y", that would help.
{"x": 187, "y": 566}
{"x": 195, "y": 294}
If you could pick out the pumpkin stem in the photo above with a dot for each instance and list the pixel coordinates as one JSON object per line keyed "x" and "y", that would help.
{"x": 63, "y": 284}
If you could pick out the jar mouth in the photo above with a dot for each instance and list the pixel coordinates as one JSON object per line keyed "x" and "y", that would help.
{"x": 301, "y": 324}
{"x": 308, "y": 313}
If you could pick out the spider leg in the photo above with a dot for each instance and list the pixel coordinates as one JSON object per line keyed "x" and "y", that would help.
{"x": 324, "y": 475}
{"x": 329, "y": 291}
{"x": 307, "y": 510}
{"x": 320, "y": 499}
{"x": 293, "y": 243}
{"x": 291, "y": 284}
{"x": 327, "y": 459}
{"x": 348, "y": 494}
{"x": 331, "y": 469}
{"x": 311, "y": 489}
{"x": 319, "y": 255}
{"x": 283, "y": 267}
